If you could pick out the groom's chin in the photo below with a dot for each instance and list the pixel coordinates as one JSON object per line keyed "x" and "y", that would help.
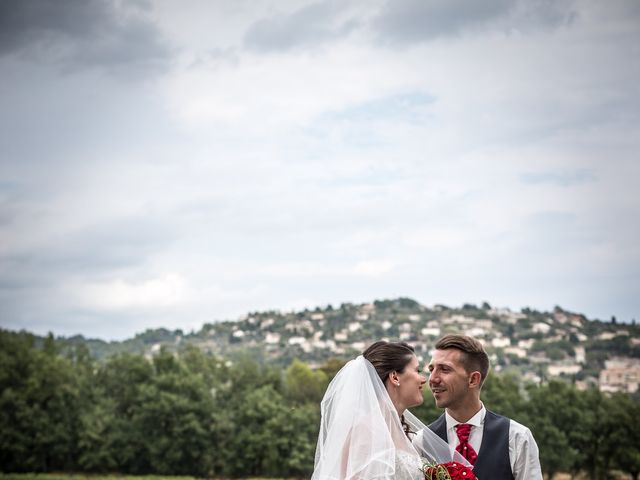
{"x": 439, "y": 401}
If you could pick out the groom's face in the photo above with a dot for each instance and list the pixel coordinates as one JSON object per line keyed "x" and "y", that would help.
{"x": 448, "y": 379}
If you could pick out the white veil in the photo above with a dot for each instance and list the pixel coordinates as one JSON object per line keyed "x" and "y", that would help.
{"x": 361, "y": 436}
{"x": 429, "y": 445}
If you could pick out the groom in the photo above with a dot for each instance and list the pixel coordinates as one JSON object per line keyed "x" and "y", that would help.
{"x": 498, "y": 447}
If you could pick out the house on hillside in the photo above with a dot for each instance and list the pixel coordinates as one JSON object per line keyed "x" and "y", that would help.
{"x": 620, "y": 374}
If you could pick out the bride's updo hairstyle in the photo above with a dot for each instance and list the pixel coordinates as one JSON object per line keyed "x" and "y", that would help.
{"x": 387, "y": 357}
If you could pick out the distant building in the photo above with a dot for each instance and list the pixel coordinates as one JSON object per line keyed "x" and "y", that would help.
{"x": 581, "y": 356}
{"x": 272, "y": 338}
{"x": 620, "y": 374}
{"x": 560, "y": 317}
{"x": 476, "y": 332}
{"x": 301, "y": 342}
{"x": 526, "y": 344}
{"x": 586, "y": 383}
{"x": 267, "y": 323}
{"x": 485, "y": 324}
{"x": 405, "y": 327}
{"x": 459, "y": 320}
{"x": 606, "y": 336}
{"x": 430, "y": 331}
{"x": 501, "y": 342}
{"x": 541, "y": 327}
{"x": 305, "y": 325}
{"x": 367, "y": 308}
{"x": 557, "y": 369}
{"x": 340, "y": 336}
{"x": 517, "y": 351}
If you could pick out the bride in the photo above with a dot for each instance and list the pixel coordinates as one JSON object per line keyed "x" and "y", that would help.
{"x": 366, "y": 431}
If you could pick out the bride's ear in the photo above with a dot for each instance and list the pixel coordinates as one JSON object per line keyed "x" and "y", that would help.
{"x": 393, "y": 378}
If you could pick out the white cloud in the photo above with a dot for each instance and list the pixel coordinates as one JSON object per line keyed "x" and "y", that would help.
{"x": 166, "y": 290}
{"x": 374, "y": 267}
{"x": 262, "y": 92}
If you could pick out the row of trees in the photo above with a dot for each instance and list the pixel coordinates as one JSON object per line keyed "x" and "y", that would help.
{"x": 201, "y": 415}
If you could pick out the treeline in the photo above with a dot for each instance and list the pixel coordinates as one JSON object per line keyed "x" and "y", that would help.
{"x": 195, "y": 414}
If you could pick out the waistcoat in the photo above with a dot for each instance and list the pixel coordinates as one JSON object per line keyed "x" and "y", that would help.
{"x": 493, "y": 458}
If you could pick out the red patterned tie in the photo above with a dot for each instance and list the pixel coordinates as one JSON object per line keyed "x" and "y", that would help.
{"x": 464, "y": 447}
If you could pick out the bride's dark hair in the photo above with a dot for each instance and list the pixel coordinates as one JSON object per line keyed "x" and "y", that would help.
{"x": 388, "y": 357}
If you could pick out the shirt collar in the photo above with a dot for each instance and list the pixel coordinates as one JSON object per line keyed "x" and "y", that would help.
{"x": 477, "y": 420}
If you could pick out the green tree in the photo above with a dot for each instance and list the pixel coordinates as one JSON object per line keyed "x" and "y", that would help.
{"x": 39, "y": 406}
{"x": 501, "y": 394}
{"x": 557, "y": 414}
{"x": 303, "y": 384}
{"x": 556, "y": 454}
{"x": 254, "y": 447}
{"x": 623, "y": 446}
{"x": 175, "y": 413}
{"x": 301, "y": 429}
{"x": 331, "y": 367}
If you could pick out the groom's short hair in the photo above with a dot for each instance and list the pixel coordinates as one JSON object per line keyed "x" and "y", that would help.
{"x": 473, "y": 356}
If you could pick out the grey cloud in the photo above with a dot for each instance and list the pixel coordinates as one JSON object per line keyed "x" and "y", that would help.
{"x": 409, "y": 21}
{"x": 109, "y": 247}
{"x": 307, "y": 26}
{"x": 536, "y": 14}
{"x": 75, "y": 34}
{"x": 415, "y": 21}
{"x": 560, "y": 178}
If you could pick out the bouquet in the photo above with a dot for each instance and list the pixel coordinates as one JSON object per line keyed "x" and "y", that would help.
{"x": 447, "y": 471}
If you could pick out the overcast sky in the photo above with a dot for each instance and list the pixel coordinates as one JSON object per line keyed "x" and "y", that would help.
{"x": 171, "y": 163}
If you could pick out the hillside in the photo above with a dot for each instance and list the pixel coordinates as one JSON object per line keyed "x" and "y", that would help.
{"x": 536, "y": 345}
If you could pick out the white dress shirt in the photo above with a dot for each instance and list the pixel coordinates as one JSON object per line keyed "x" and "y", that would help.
{"x": 523, "y": 450}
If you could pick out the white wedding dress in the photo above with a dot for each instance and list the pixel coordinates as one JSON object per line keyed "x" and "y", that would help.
{"x": 361, "y": 436}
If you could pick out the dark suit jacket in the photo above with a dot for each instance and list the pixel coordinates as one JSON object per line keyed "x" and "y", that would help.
{"x": 493, "y": 461}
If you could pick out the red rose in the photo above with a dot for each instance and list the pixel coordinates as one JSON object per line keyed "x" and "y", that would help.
{"x": 456, "y": 471}
{"x": 459, "y": 471}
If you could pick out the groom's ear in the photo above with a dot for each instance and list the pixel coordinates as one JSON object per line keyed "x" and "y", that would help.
{"x": 475, "y": 379}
